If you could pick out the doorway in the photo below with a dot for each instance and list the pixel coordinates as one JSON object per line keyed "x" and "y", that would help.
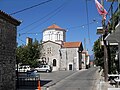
{"x": 70, "y": 66}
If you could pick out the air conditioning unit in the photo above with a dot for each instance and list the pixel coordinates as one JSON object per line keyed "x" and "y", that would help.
{"x": 100, "y": 30}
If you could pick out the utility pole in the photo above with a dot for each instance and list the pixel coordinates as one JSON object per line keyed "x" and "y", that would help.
{"x": 85, "y": 52}
{"x": 118, "y": 5}
{"x": 118, "y": 41}
{"x": 105, "y": 48}
{"x": 85, "y": 44}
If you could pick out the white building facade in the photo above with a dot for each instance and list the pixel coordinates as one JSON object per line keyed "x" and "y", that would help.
{"x": 59, "y": 54}
{"x": 85, "y": 59}
{"x": 54, "y": 33}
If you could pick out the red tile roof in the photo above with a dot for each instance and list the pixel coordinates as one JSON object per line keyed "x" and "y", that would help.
{"x": 71, "y": 44}
{"x": 54, "y": 26}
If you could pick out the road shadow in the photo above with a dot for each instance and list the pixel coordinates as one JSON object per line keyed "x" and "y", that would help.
{"x": 44, "y": 82}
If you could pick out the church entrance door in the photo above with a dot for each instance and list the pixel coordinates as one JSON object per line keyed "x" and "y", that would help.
{"x": 70, "y": 66}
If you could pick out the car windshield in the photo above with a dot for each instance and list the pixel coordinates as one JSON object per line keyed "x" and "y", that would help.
{"x": 40, "y": 66}
{"x": 45, "y": 66}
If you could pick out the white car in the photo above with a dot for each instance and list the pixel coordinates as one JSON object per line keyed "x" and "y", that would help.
{"x": 24, "y": 68}
{"x": 44, "y": 68}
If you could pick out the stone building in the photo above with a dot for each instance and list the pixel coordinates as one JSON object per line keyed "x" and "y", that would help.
{"x": 8, "y": 26}
{"x": 58, "y": 53}
{"x": 85, "y": 59}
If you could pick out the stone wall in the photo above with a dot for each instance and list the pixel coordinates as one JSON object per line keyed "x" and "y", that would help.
{"x": 70, "y": 56}
{"x": 51, "y": 51}
{"x": 7, "y": 51}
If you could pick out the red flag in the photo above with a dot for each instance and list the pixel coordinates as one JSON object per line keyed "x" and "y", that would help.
{"x": 101, "y": 9}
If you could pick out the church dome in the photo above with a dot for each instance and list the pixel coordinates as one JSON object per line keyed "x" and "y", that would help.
{"x": 54, "y": 26}
{"x": 54, "y": 33}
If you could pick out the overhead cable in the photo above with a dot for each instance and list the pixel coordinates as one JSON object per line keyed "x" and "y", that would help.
{"x": 21, "y": 40}
{"x": 83, "y": 25}
{"x": 53, "y": 14}
{"x": 31, "y": 7}
{"x": 43, "y": 17}
{"x": 87, "y": 20}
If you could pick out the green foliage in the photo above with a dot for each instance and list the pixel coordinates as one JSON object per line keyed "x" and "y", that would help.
{"x": 29, "y": 54}
{"x": 98, "y": 53}
{"x": 114, "y": 21}
{"x": 99, "y": 56}
{"x": 113, "y": 64}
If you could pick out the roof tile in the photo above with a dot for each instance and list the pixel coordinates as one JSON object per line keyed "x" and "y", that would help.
{"x": 71, "y": 44}
{"x": 54, "y": 26}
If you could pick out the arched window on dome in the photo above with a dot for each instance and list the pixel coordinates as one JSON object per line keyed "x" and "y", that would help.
{"x": 58, "y": 35}
{"x": 49, "y": 36}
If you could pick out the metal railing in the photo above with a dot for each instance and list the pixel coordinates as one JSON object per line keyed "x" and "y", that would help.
{"x": 27, "y": 82}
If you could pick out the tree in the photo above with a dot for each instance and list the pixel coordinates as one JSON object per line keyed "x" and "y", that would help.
{"x": 99, "y": 56}
{"x": 98, "y": 53}
{"x": 113, "y": 63}
{"x": 29, "y": 54}
{"x": 114, "y": 21}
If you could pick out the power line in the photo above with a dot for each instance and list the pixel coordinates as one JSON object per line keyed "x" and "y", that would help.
{"x": 81, "y": 25}
{"x": 66, "y": 28}
{"x": 59, "y": 9}
{"x": 55, "y": 13}
{"x": 21, "y": 40}
{"x": 43, "y": 17}
{"x": 31, "y": 7}
{"x": 29, "y": 33}
{"x": 87, "y": 20}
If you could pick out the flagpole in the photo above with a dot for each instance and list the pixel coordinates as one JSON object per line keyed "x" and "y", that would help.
{"x": 105, "y": 48}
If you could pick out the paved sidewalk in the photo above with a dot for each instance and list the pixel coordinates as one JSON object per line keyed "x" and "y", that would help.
{"x": 102, "y": 85}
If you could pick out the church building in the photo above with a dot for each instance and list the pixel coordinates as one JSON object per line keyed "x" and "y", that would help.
{"x": 58, "y": 53}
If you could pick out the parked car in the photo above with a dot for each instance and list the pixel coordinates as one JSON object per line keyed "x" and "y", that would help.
{"x": 32, "y": 73}
{"x": 24, "y": 68}
{"x": 44, "y": 68}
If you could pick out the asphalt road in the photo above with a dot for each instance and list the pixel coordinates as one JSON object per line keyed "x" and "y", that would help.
{"x": 82, "y": 80}
{"x": 50, "y": 79}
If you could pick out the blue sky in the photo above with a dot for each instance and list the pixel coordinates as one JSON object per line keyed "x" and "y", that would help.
{"x": 71, "y": 14}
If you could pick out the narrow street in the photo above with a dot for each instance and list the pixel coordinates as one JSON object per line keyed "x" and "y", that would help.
{"x": 82, "y": 80}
